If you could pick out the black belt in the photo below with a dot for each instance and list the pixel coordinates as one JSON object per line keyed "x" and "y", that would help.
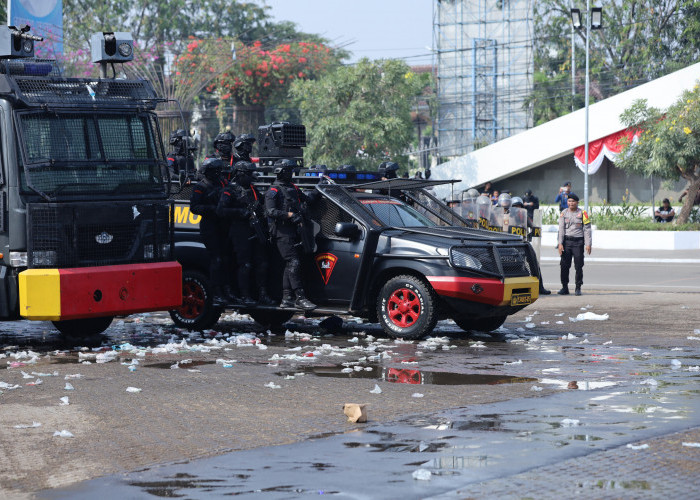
{"x": 573, "y": 238}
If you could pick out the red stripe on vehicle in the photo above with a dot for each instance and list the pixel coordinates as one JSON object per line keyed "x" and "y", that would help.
{"x": 484, "y": 290}
{"x": 124, "y": 289}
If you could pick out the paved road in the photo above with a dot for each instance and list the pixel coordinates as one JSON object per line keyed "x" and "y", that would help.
{"x": 671, "y": 271}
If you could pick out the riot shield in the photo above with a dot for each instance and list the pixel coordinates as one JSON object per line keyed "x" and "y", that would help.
{"x": 517, "y": 222}
{"x": 536, "y": 232}
{"x": 470, "y": 212}
{"x": 496, "y": 219}
{"x": 307, "y": 231}
{"x": 484, "y": 214}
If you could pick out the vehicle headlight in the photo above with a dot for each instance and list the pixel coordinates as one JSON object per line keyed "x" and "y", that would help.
{"x": 148, "y": 252}
{"x": 44, "y": 258}
{"x": 165, "y": 250}
{"x": 462, "y": 259}
{"x": 18, "y": 259}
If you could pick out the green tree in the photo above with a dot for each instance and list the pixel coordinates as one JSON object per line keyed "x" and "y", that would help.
{"x": 359, "y": 114}
{"x": 668, "y": 145}
{"x": 640, "y": 41}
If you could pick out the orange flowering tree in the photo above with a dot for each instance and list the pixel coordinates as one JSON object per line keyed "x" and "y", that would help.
{"x": 263, "y": 76}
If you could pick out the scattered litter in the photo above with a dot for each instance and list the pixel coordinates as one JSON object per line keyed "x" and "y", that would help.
{"x": 132, "y": 368}
{"x": 64, "y": 401}
{"x": 289, "y": 377}
{"x": 75, "y": 375}
{"x": 649, "y": 381}
{"x": 422, "y": 475}
{"x": 521, "y": 330}
{"x": 416, "y": 395}
{"x": 133, "y": 389}
{"x": 36, "y": 382}
{"x": 376, "y": 390}
{"x": 535, "y": 388}
{"x": 589, "y": 316}
{"x": 638, "y": 447}
{"x": 347, "y": 370}
{"x": 354, "y": 340}
{"x": 690, "y": 445}
{"x": 694, "y": 368}
{"x": 272, "y": 385}
{"x": 569, "y": 336}
{"x": 559, "y": 315}
{"x": 560, "y": 322}
{"x": 39, "y": 374}
{"x": 551, "y": 370}
{"x": 64, "y": 434}
{"x": 38, "y": 424}
{"x": 355, "y": 412}
{"x": 693, "y": 338}
{"x": 675, "y": 364}
{"x": 530, "y": 325}
{"x": 544, "y": 323}
{"x": 570, "y": 422}
{"x": 26, "y": 375}
{"x": 608, "y": 342}
{"x": 9, "y": 387}
{"x": 518, "y": 362}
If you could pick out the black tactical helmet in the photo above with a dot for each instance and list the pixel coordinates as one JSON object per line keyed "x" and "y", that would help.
{"x": 223, "y": 139}
{"x": 388, "y": 169}
{"x": 177, "y": 135}
{"x": 285, "y": 169}
{"x": 244, "y": 140}
{"x": 244, "y": 166}
{"x": 211, "y": 168}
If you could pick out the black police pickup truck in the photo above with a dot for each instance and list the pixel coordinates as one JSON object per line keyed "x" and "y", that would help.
{"x": 386, "y": 251}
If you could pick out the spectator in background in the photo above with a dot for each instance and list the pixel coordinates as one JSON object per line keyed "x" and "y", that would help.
{"x": 530, "y": 203}
{"x": 418, "y": 175}
{"x": 665, "y": 212}
{"x": 487, "y": 189}
{"x": 494, "y": 197}
{"x": 564, "y": 194}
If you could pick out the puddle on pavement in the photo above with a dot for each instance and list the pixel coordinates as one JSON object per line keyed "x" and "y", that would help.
{"x": 407, "y": 376}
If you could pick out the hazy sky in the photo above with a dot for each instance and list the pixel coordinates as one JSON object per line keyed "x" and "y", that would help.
{"x": 369, "y": 28}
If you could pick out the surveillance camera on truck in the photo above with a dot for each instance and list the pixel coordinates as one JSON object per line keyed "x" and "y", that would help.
{"x": 85, "y": 225}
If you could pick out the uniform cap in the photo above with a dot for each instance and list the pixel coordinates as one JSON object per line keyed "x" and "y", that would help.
{"x": 573, "y": 196}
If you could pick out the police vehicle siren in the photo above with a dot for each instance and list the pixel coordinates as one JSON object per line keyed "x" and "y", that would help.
{"x": 281, "y": 140}
{"x": 111, "y": 47}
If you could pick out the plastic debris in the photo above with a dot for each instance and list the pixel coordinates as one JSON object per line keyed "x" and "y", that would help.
{"x": 690, "y": 445}
{"x": 37, "y": 424}
{"x": 649, "y": 381}
{"x": 9, "y": 387}
{"x": 570, "y": 422}
{"x": 354, "y": 340}
{"x": 75, "y": 375}
{"x": 132, "y": 368}
{"x": 694, "y": 368}
{"x": 272, "y": 385}
{"x": 518, "y": 362}
{"x": 535, "y": 388}
{"x": 65, "y": 401}
{"x": 416, "y": 395}
{"x": 559, "y": 315}
{"x": 64, "y": 434}
{"x": 39, "y": 374}
{"x": 638, "y": 447}
{"x": 133, "y": 389}
{"x": 36, "y": 382}
{"x": 675, "y": 364}
{"x": 422, "y": 475}
{"x": 530, "y": 325}
{"x": 376, "y": 390}
{"x": 355, "y": 412}
{"x": 589, "y": 316}
{"x": 560, "y": 322}
{"x": 26, "y": 375}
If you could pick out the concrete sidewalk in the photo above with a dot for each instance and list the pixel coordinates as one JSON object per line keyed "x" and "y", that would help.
{"x": 549, "y": 254}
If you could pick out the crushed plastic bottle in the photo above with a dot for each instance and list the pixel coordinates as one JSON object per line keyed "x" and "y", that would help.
{"x": 376, "y": 390}
{"x": 422, "y": 475}
{"x": 64, "y": 434}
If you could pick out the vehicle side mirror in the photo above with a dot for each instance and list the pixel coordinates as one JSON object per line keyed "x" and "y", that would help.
{"x": 346, "y": 230}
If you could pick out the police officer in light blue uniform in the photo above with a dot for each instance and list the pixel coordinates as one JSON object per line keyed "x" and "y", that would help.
{"x": 574, "y": 235}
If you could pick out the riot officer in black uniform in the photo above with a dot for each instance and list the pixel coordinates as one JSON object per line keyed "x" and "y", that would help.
{"x": 388, "y": 170}
{"x": 180, "y": 157}
{"x": 243, "y": 146}
{"x": 241, "y": 206}
{"x": 223, "y": 147}
{"x": 284, "y": 206}
{"x": 204, "y": 201}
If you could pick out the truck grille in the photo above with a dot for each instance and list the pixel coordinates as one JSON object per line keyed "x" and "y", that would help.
{"x": 98, "y": 234}
{"x": 508, "y": 261}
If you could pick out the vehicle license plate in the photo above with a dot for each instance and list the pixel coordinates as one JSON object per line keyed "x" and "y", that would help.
{"x": 520, "y": 299}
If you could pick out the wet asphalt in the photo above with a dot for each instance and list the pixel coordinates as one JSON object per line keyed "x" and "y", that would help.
{"x": 621, "y": 395}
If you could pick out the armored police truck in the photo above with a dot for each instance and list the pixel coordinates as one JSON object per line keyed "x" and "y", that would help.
{"x": 85, "y": 228}
{"x": 387, "y": 251}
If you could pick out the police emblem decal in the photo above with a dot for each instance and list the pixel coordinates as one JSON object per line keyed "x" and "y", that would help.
{"x": 103, "y": 238}
{"x": 325, "y": 262}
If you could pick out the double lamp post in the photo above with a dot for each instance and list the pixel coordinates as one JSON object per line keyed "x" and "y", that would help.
{"x": 594, "y": 21}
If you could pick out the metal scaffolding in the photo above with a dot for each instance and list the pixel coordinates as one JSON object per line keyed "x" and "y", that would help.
{"x": 485, "y": 65}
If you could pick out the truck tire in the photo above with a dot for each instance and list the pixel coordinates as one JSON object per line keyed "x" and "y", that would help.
{"x": 196, "y": 311}
{"x": 86, "y": 327}
{"x": 481, "y": 324}
{"x": 271, "y": 319}
{"x": 407, "y": 308}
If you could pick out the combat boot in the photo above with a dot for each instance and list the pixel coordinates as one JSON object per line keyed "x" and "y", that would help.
{"x": 287, "y": 301}
{"x": 218, "y": 299}
{"x": 302, "y": 302}
{"x": 230, "y": 296}
{"x": 564, "y": 290}
{"x": 577, "y": 291}
{"x": 264, "y": 299}
{"x": 247, "y": 301}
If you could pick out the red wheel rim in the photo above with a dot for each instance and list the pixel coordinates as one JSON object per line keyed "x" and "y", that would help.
{"x": 193, "y": 299}
{"x": 403, "y": 307}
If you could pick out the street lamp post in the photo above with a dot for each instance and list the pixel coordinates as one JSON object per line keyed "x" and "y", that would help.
{"x": 594, "y": 20}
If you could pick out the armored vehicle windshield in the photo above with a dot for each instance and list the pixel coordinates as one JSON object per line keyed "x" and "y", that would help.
{"x": 394, "y": 213}
{"x": 81, "y": 153}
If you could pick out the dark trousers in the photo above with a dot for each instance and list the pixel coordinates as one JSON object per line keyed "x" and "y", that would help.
{"x": 215, "y": 242}
{"x": 291, "y": 254}
{"x": 573, "y": 248}
{"x": 250, "y": 254}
